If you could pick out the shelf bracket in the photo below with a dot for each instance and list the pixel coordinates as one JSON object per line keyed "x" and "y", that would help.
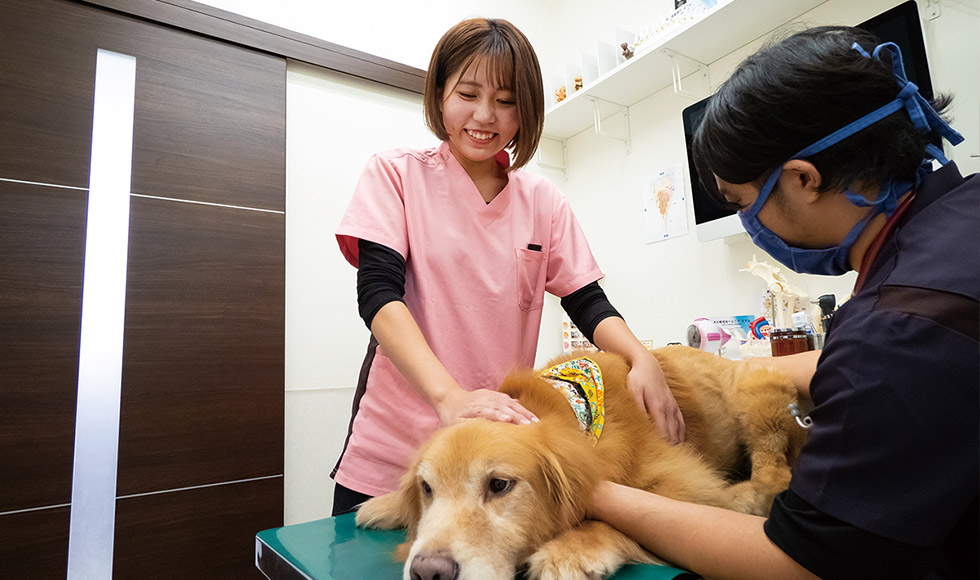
{"x": 701, "y": 69}
{"x": 621, "y": 135}
{"x": 552, "y": 160}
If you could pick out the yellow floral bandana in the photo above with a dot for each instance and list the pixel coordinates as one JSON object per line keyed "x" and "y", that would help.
{"x": 580, "y": 380}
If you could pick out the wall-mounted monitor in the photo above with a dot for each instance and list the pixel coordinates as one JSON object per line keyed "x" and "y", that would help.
{"x": 900, "y": 25}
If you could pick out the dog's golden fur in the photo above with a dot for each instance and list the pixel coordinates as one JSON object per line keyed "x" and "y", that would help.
{"x": 481, "y": 499}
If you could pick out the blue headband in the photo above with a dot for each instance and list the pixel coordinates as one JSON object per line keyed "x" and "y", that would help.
{"x": 833, "y": 260}
{"x": 920, "y": 111}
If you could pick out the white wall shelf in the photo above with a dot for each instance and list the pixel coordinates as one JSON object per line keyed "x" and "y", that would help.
{"x": 727, "y": 26}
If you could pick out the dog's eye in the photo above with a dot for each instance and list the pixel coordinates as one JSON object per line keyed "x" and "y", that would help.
{"x": 499, "y": 486}
{"x": 426, "y": 489}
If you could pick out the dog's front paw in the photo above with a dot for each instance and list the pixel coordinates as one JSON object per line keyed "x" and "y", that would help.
{"x": 552, "y": 563}
{"x": 592, "y": 550}
{"x": 751, "y": 497}
{"x": 383, "y": 512}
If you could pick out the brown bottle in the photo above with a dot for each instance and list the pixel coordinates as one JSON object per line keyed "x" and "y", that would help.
{"x": 788, "y": 341}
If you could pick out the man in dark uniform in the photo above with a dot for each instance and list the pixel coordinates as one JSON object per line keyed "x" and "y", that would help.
{"x": 827, "y": 151}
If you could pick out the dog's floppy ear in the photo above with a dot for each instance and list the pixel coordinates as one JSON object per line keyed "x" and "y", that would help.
{"x": 401, "y": 508}
{"x": 568, "y": 477}
{"x": 559, "y": 488}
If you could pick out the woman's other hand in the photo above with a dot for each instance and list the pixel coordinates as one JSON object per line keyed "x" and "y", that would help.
{"x": 648, "y": 385}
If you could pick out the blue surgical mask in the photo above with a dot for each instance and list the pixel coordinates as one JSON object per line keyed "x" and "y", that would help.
{"x": 834, "y": 260}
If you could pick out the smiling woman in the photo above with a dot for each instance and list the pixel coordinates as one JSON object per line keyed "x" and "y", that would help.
{"x": 452, "y": 241}
{"x": 480, "y": 118}
{"x": 504, "y": 60}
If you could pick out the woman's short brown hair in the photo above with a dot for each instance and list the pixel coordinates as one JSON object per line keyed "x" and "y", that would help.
{"x": 512, "y": 61}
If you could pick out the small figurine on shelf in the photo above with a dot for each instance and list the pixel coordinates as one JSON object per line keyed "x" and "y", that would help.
{"x": 578, "y": 83}
{"x": 560, "y": 94}
{"x": 627, "y": 51}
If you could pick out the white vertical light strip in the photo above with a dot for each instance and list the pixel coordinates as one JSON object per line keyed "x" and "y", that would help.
{"x": 93, "y": 492}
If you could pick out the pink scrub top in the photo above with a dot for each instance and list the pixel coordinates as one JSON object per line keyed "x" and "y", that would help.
{"x": 476, "y": 274}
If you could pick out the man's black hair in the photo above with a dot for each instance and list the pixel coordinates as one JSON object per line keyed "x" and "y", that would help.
{"x": 796, "y": 91}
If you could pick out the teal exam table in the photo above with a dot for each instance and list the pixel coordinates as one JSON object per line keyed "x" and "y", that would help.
{"x": 336, "y": 549}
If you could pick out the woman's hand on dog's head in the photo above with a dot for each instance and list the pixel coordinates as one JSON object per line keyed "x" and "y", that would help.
{"x": 482, "y": 404}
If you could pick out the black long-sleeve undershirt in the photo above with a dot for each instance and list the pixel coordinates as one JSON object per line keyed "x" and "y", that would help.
{"x": 380, "y": 278}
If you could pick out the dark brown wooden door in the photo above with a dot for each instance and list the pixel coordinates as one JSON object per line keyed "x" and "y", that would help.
{"x": 200, "y": 458}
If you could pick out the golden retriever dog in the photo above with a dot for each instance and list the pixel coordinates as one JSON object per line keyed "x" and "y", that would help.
{"x": 483, "y": 500}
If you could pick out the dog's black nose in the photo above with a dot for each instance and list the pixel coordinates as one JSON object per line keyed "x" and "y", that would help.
{"x": 434, "y": 566}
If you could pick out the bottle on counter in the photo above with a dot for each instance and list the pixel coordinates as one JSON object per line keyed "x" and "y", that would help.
{"x": 786, "y": 341}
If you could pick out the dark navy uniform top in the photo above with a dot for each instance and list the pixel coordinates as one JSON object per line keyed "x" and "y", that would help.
{"x": 887, "y": 483}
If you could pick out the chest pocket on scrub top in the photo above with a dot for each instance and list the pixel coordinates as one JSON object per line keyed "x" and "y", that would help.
{"x": 530, "y": 278}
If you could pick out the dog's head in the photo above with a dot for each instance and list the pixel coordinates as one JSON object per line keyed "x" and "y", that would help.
{"x": 481, "y": 497}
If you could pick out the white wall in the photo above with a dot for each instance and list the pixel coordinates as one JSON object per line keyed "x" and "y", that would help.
{"x": 953, "y": 43}
{"x": 334, "y": 123}
{"x": 404, "y": 32}
{"x": 660, "y": 288}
